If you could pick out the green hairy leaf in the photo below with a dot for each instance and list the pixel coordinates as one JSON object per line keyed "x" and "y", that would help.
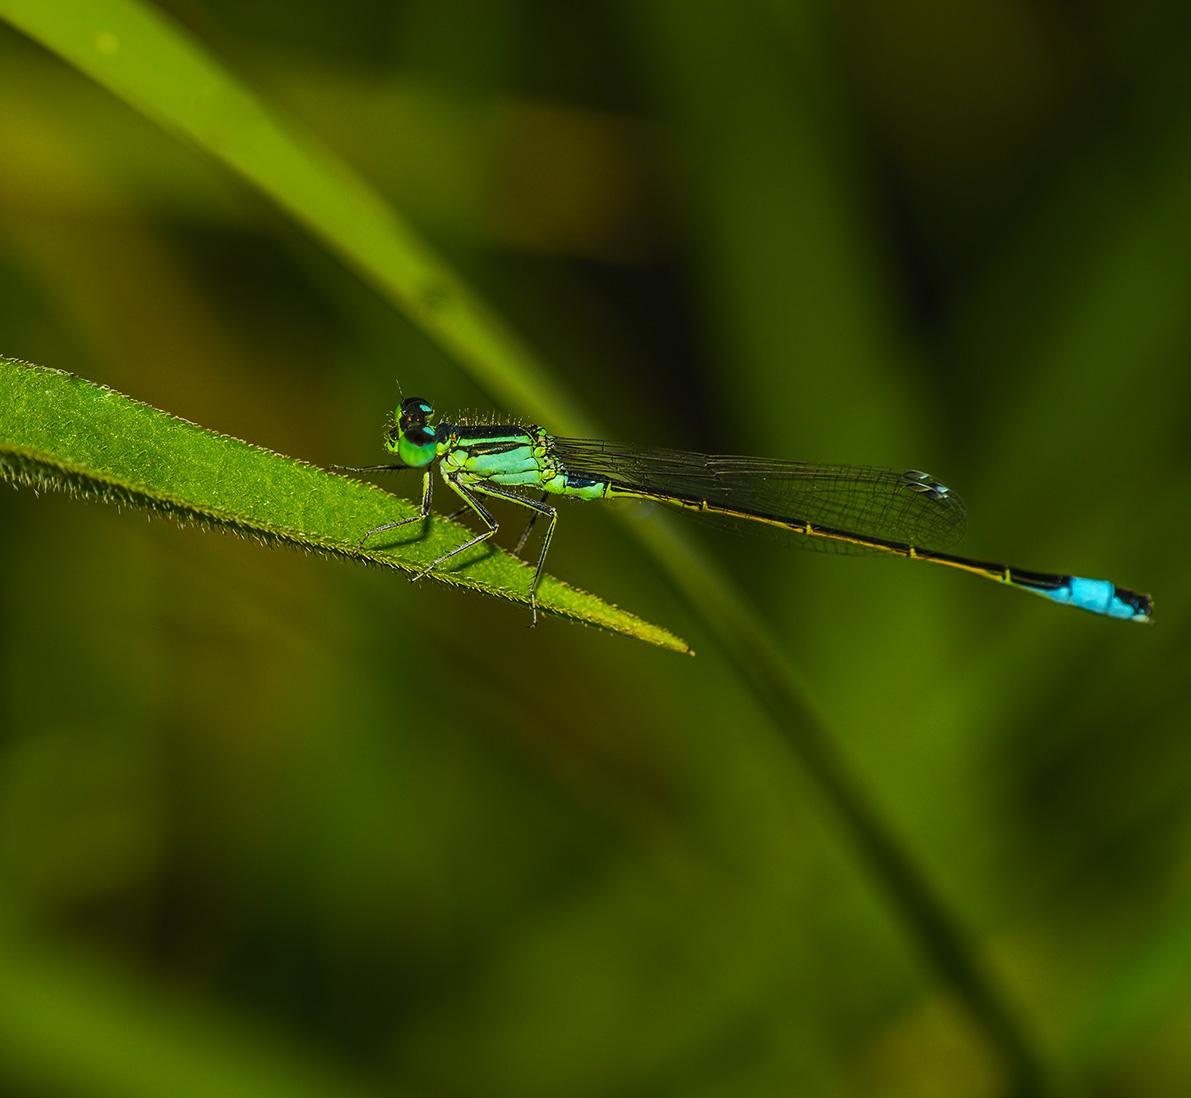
{"x": 60, "y": 431}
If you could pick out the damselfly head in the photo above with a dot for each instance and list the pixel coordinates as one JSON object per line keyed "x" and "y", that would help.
{"x": 411, "y": 438}
{"x": 414, "y": 412}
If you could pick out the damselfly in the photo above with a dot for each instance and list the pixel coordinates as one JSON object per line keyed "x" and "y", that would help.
{"x": 845, "y": 508}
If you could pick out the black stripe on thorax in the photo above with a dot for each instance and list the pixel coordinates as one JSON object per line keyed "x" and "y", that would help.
{"x": 497, "y": 446}
{"x": 502, "y": 438}
{"x": 466, "y": 432}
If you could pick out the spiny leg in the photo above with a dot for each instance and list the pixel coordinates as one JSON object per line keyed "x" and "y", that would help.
{"x": 473, "y": 502}
{"x": 371, "y": 468}
{"x": 525, "y": 533}
{"x": 427, "y": 491}
{"x": 539, "y": 509}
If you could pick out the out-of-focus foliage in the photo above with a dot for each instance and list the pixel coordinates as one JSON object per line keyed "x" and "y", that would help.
{"x": 269, "y": 824}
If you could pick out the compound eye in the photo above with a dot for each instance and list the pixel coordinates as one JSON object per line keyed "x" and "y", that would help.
{"x": 415, "y": 408}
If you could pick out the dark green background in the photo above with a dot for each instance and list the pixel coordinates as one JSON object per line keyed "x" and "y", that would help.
{"x": 272, "y": 824}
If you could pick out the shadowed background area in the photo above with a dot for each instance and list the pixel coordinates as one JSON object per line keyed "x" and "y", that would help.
{"x": 276, "y": 825}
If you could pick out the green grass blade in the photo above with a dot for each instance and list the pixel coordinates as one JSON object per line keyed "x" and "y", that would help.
{"x": 57, "y": 430}
{"x": 135, "y": 52}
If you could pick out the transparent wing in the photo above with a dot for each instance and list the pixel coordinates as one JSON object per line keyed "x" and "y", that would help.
{"x": 899, "y": 505}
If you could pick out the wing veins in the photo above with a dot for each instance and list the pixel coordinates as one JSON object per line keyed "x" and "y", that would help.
{"x": 900, "y": 505}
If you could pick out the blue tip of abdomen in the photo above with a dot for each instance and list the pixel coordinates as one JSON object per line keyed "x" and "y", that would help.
{"x": 1101, "y": 597}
